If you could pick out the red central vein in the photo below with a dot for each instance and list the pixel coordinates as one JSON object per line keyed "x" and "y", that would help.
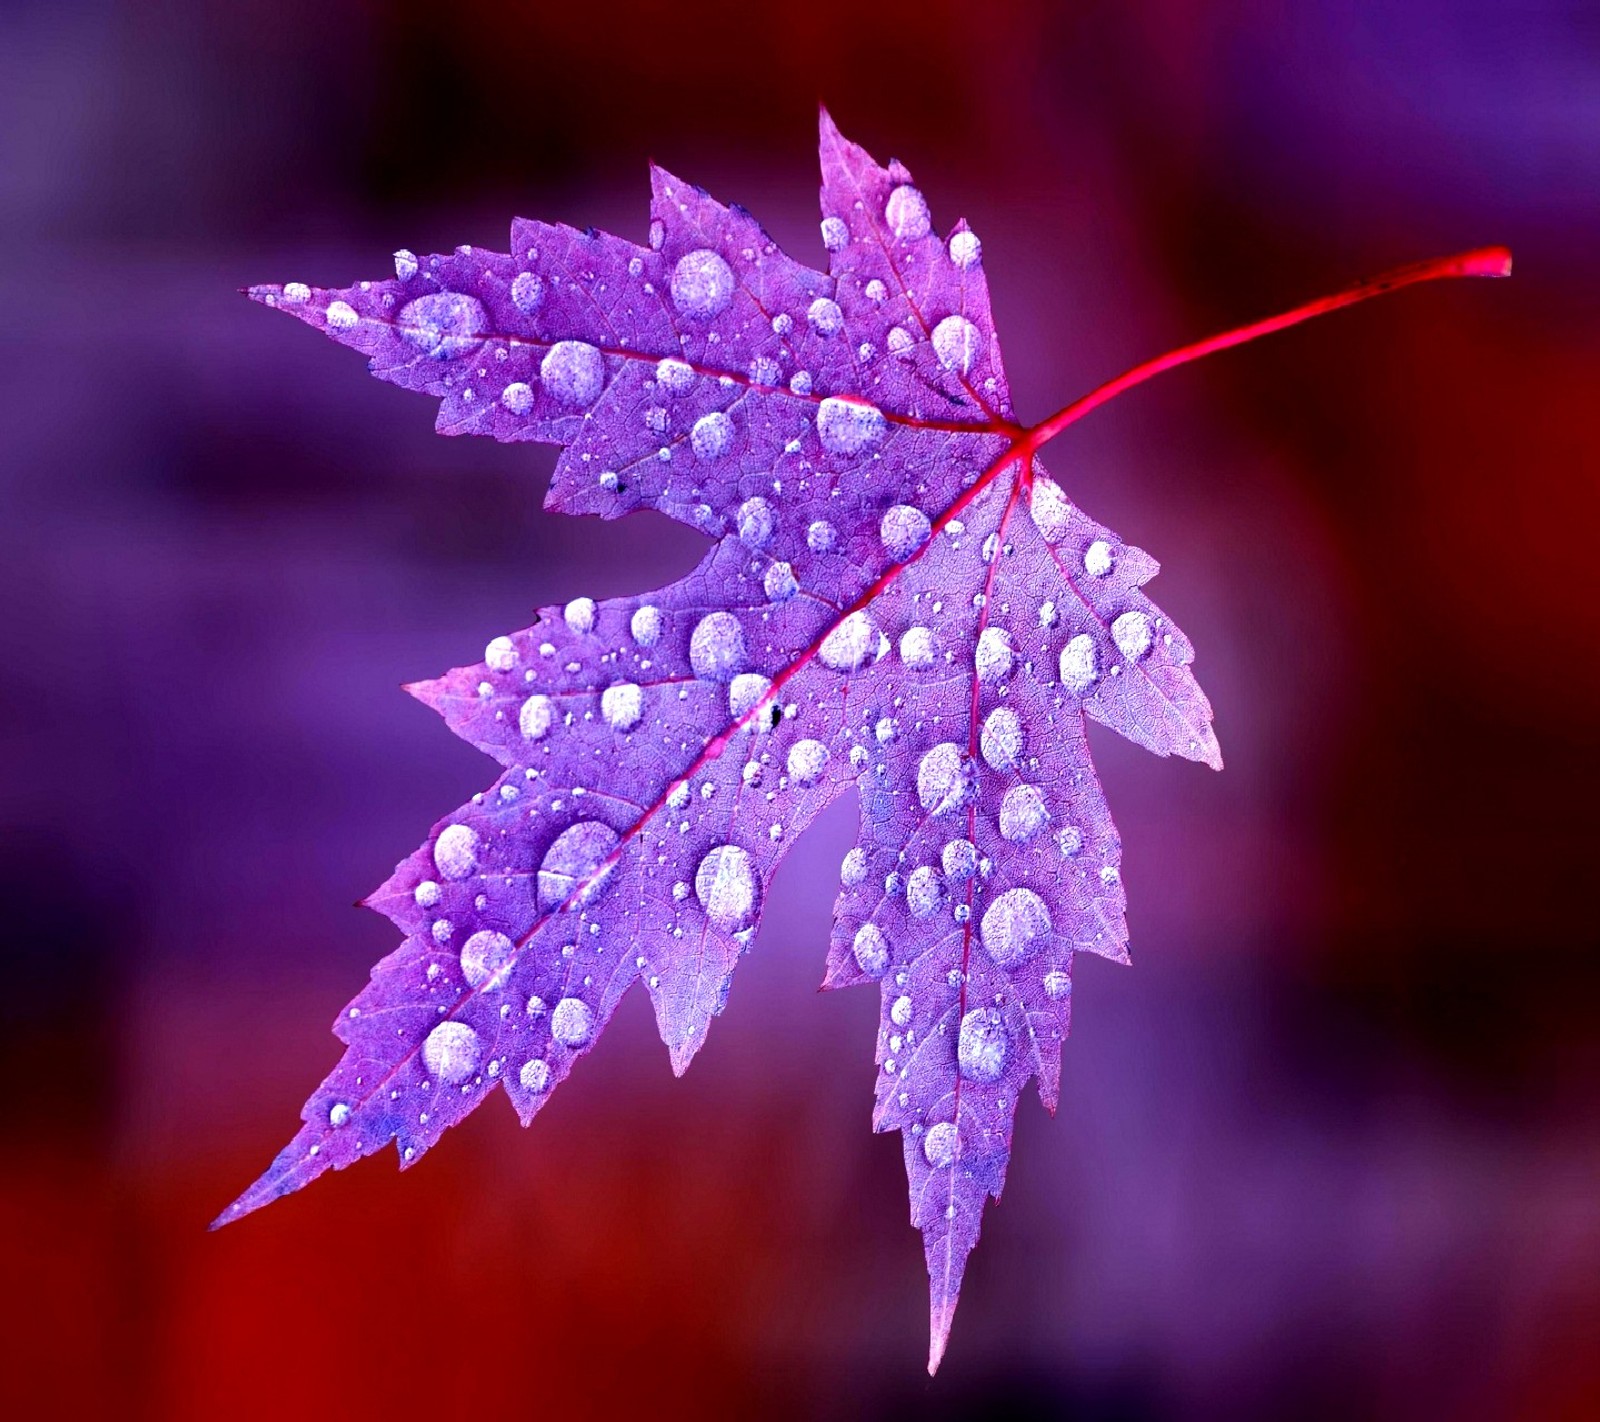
{"x": 1023, "y": 445}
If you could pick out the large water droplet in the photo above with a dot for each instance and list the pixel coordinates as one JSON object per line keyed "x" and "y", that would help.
{"x": 821, "y": 536}
{"x": 924, "y": 892}
{"x": 824, "y": 317}
{"x": 1057, "y": 984}
{"x": 1097, "y": 558}
{"x": 806, "y": 761}
{"x": 960, "y": 860}
{"x": 994, "y": 657}
{"x": 848, "y": 427}
{"x": 1001, "y": 739}
{"x": 579, "y": 616}
{"x": 981, "y": 1045}
{"x": 944, "y": 779}
{"x": 702, "y": 284}
{"x": 712, "y": 435}
{"x": 535, "y": 1076}
{"x": 535, "y": 718}
{"x": 906, "y": 212}
{"x": 779, "y": 583}
{"x": 572, "y": 1022}
{"x": 1078, "y": 663}
{"x": 900, "y": 1012}
{"x": 870, "y": 950}
{"x": 674, "y": 376}
{"x": 645, "y": 625}
{"x": 1131, "y": 632}
{"x": 487, "y": 959}
{"x": 1015, "y": 927}
{"x": 451, "y": 1051}
{"x": 1022, "y": 814}
{"x": 726, "y": 885}
{"x": 405, "y": 264}
{"x": 1051, "y": 510}
{"x": 956, "y": 342}
{"x": 574, "y": 372}
{"x": 572, "y": 860}
{"x": 917, "y": 648}
{"x": 940, "y": 1144}
{"x": 517, "y": 397}
{"x": 622, "y": 706}
{"x": 847, "y": 647}
{"x": 442, "y": 324}
{"x": 835, "y": 235}
{"x": 339, "y": 1114}
{"x": 965, "y": 249}
{"x": 527, "y": 293}
{"x": 455, "y": 852}
{"x": 500, "y": 655}
{"x": 716, "y": 647}
{"x": 756, "y": 522}
{"x": 745, "y": 692}
{"x": 903, "y": 530}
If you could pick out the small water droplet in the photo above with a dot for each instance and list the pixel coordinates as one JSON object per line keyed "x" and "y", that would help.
{"x": 716, "y": 647}
{"x": 572, "y": 861}
{"x": 779, "y": 583}
{"x": 1001, "y": 740}
{"x": 1022, "y": 814}
{"x": 1097, "y": 558}
{"x": 906, "y": 212}
{"x": 527, "y": 292}
{"x": 871, "y": 950}
{"x": 981, "y": 1045}
{"x": 940, "y": 1144}
{"x": 645, "y": 624}
{"x": 1131, "y": 632}
{"x": 835, "y": 235}
{"x": 960, "y": 860}
{"x": 847, "y": 647}
{"x": 965, "y": 249}
{"x": 903, "y": 529}
{"x": 917, "y": 649}
{"x": 712, "y": 435}
{"x": 455, "y": 852}
{"x": 924, "y": 892}
{"x": 994, "y": 657}
{"x": 956, "y": 343}
{"x": 443, "y": 324}
{"x": 824, "y": 317}
{"x": 535, "y": 1076}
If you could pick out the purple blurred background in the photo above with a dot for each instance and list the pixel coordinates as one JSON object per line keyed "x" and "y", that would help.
{"x": 1330, "y": 1148}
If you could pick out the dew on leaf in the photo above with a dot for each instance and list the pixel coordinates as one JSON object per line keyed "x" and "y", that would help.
{"x": 960, "y": 860}
{"x": 939, "y": 1145}
{"x": 487, "y": 959}
{"x": 1015, "y": 927}
{"x": 903, "y": 529}
{"x": 917, "y": 648}
{"x": 853, "y": 868}
{"x": 571, "y": 863}
{"x": 806, "y": 761}
{"x": 674, "y": 376}
{"x": 1097, "y": 558}
{"x": 716, "y": 647}
{"x": 847, "y": 647}
{"x": 981, "y": 1045}
{"x": 907, "y": 213}
{"x": 900, "y": 1012}
{"x": 835, "y": 235}
{"x": 622, "y": 705}
{"x": 756, "y": 522}
{"x": 870, "y": 950}
{"x": 821, "y": 536}
{"x": 443, "y": 324}
{"x": 965, "y": 249}
{"x": 955, "y": 343}
{"x": 341, "y": 315}
{"x": 455, "y": 852}
{"x": 451, "y": 1052}
{"x": 1131, "y": 632}
{"x": 1022, "y": 814}
{"x": 535, "y": 1076}
{"x": 725, "y": 883}
{"x": 645, "y": 625}
{"x": 527, "y": 292}
{"x": 779, "y": 583}
{"x": 500, "y": 655}
{"x": 339, "y": 1114}
{"x": 702, "y": 284}
{"x": 849, "y": 427}
{"x": 427, "y": 893}
{"x": 824, "y": 317}
{"x": 745, "y": 692}
{"x": 579, "y": 615}
{"x": 994, "y": 656}
{"x": 405, "y": 264}
{"x": 1001, "y": 740}
{"x": 924, "y": 891}
{"x": 572, "y": 1022}
{"x": 517, "y": 397}
{"x": 574, "y": 372}
{"x": 1057, "y": 984}
{"x": 537, "y": 715}
{"x": 1050, "y": 509}
{"x": 944, "y": 779}
{"x": 1078, "y": 669}
{"x": 712, "y": 435}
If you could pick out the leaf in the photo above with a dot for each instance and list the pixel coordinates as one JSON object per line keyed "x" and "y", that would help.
{"x": 897, "y": 598}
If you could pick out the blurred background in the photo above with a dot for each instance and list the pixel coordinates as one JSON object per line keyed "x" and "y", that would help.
{"x": 1330, "y": 1148}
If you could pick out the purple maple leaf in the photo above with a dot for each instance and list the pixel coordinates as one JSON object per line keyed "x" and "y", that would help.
{"x": 897, "y": 598}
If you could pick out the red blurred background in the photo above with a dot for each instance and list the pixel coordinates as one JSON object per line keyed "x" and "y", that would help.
{"x": 1329, "y": 1149}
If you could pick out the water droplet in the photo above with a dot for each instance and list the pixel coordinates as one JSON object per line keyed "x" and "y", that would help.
{"x": 645, "y": 624}
{"x": 296, "y": 293}
{"x": 537, "y": 715}
{"x": 903, "y": 530}
{"x": 1050, "y": 508}
{"x": 1069, "y": 840}
{"x": 725, "y": 883}
{"x": 981, "y": 1045}
{"x": 835, "y": 235}
{"x": 579, "y": 615}
{"x": 821, "y": 536}
{"x": 1131, "y": 632}
{"x": 745, "y": 692}
{"x": 960, "y": 860}
{"x": 572, "y": 860}
{"x": 451, "y": 1051}
{"x": 487, "y": 959}
{"x": 886, "y": 730}
{"x": 965, "y": 249}
{"x": 572, "y": 1022}
{"x": 527, "y": 292}
{"x": 847, "y": 647}
{"x": 906, "y": 212}
{"x": 339, "y": 1114}
{"x": 1078, "y": 663}
{"x": 622, "y": 705}
{"x": 1022, "y": 814}
{"x": 900, "y": 1013}
{"x": 716, "y": 647}
{"x": 574, "y": 372}
{"x": 455, "y": 852}
{"x": 712, "y": 435}
{"x": 702, "y": 284}
{"x": 940, "y": 1144}
{"x": 405, "y": 264}
{"x": 535, "y": 1076}
{"x": 442, "y": 930}
{"x": 853, "y": 868}
{"x": 1015, "y": 927}
{"x": 848, "y": 427}
{"x": 956, "y": 343}
{"x": 806, "y": 761}
{"x": 756, "y": 522}
{"x": 924, "y": 892}
{"x": 341, "y": 315}
{"x": 944, "y": 779}
{"x": 994, "y": 657}
{"x": 779, "y": 583}
{"x": 427, "y": 893}
{"x": 1001, "y": 739}
{"x": 900, "y": 341}
{"x": 1097, "y": 558}
{"x": 871, "y": 950}
{"x": 917, "y": 648}
{"x": 800, "y": 382}
{"x": 764, "y": 371}
{"x": 1057, "y": 984}
{"x": 674, "y": 376}
{"x": 824, "y": 317}
{"x": 501, "y": 654}
{"x": 517, "y": 397}
{"x": 443, "y": 324}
